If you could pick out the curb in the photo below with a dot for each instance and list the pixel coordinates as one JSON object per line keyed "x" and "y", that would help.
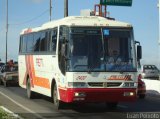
{"x": 10, "y": 112}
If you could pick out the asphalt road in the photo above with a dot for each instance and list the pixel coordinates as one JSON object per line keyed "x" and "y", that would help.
{"x": 15, "y": 99}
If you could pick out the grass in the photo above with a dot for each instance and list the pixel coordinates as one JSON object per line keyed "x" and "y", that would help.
{"x": 6, "y": 115}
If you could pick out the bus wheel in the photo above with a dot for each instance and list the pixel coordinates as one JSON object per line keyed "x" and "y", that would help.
{"x": 58, "y": 104}
{"x": 5, "y": 83}
{"x": 112, "y": 105}
{"x": 30, "y": 94}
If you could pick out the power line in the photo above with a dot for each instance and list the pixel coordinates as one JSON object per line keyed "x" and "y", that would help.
{"x": 28, "y": 21}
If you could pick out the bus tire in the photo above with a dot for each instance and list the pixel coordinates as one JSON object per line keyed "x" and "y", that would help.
{"x": 30, "y": 94}
{"x": 112, "y": 105}
{"x": 58, "y": 104}
{"x": 5, "y": 83}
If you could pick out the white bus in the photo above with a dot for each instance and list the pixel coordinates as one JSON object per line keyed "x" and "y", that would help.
{"x": 80, "y": 59}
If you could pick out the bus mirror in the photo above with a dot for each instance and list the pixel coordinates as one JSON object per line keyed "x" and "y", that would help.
{"x": 139, "y": 52}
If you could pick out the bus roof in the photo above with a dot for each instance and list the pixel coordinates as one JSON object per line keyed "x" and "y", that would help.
{"x": 78, "y": 21}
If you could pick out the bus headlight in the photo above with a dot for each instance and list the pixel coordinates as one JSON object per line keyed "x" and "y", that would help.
{"x": 79, "y": 94}
{"x": 77, "y": 85}
{"x": 128, "y": 94}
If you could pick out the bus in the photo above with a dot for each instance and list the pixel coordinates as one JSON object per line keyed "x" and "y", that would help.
{"x": 80, "y": 59}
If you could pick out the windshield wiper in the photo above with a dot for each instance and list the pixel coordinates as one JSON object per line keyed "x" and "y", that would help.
{"x": 90, "y": 69}
{"x": 93, "y": 67}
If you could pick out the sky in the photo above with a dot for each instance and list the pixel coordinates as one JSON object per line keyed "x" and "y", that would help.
{"x": 143, "y": 15}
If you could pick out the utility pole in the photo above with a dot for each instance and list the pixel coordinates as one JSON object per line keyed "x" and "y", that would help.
{"x": 159, "y": 25}
{"x": 6, "y": 30}
{"x": 65, "y": 8}
{"x": 50, "y": 17}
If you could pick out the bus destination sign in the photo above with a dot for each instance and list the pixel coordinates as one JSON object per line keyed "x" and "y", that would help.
{"x": 116, "y": 2}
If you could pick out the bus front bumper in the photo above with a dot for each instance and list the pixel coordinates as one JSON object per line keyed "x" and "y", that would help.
{"x": 98, "y": 95}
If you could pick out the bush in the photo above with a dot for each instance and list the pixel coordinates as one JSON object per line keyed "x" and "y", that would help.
{"x": 5, "y": 115}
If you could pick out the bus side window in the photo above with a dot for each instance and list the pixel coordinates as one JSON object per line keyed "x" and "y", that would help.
{"x": 24, "y": 44}
{"x": 43, "y": 46}
{"x": 47, "y": 40}
{"x": 30, "y": 43}
{"x": 21, "y": 44}
{"x": 36, "y": 44}
{"x": 54, "y": 40}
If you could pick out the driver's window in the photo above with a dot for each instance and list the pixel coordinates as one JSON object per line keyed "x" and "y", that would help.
{"x": 63, "y": 35}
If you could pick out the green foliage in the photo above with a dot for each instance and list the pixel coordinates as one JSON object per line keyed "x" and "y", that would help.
{"x": 5, "y": 115}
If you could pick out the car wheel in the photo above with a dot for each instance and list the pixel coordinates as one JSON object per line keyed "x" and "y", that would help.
{"x": 30, "y": 94}
{"x": 112, "y": 105}
{"x": 58, "y": 104}
{"x": 142, "y": 96}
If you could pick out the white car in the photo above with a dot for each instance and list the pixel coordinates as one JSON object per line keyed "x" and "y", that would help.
{"x": 150, "y": 72}
{"x": 8, "y": 75}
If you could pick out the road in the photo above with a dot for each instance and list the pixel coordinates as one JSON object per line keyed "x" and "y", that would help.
{"x": 15, "y": 99}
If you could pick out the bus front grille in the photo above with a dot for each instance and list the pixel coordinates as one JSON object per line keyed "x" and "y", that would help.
{"x": 104, "y": 84}
{"x": 113, "y": 84}
{"x": 94, "y": 84}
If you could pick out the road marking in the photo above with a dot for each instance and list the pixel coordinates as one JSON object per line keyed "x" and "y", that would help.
{"x": 25, "y": 108}
{"x": 122, "y": 106}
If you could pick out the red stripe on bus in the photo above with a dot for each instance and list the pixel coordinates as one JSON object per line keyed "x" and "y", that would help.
{"x": 25, "y": 77}
{"x": 38, "y": 81}
{"x": 30, "y": 70}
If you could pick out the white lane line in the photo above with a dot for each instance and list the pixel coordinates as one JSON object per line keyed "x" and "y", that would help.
{"x": 122, "y": 106}
{"x": 25, "y": 108}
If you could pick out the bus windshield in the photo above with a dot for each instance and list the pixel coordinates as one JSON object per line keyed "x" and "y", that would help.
{"x": 101, "y": 49}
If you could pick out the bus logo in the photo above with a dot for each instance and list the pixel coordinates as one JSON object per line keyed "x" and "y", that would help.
{"x": 39, "y": 62}
{"x": 121, "y": 77}
{"x": 81, "y": 78}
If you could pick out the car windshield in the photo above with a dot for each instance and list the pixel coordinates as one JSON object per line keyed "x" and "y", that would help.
{"x": 151, "y": 67}
{"x": 101, "y": 49}
{"x": 7, "y": 68}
